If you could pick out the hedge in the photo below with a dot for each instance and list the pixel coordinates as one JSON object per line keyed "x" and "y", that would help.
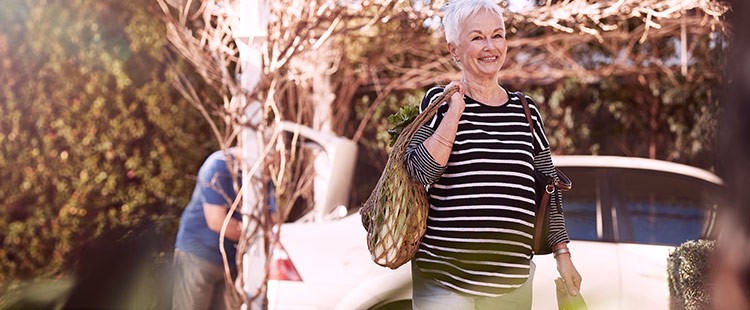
{"x": 92, "y": 135}
{"x": 689, "y": 268}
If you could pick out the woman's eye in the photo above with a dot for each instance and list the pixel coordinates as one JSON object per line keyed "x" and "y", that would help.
{"x": 476, "y": 38}
{"x": 498, "y": 36}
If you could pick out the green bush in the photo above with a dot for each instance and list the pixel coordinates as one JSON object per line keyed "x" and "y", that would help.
{"x": 688, "y": 268}
{"x": 92, "y": 135}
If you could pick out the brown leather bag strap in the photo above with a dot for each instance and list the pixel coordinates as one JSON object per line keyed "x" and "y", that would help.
{"x": 562, "y": 182}
{"x": 528, "y": 114}
{"x": 542, "y": 217}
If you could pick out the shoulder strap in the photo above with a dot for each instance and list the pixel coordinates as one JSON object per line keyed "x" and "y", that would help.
{"x": 562, "y": 182}
{"x": 528, "y": 113}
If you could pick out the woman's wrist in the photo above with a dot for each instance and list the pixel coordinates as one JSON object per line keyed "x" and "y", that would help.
{"x": 559, "y": 246}
{"x": 442, "y": 140}
{"x": 560, "y": 250}
{"x": 455, "y": 110}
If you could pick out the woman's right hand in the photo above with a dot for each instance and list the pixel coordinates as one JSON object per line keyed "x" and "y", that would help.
{"x": 456, "y": 101}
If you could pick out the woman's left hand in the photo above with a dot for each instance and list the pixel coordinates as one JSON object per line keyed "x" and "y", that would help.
{"x": 569, "y": 274}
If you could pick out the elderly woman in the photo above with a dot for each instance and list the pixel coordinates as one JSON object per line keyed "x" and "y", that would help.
{"x": 477, "y": 157}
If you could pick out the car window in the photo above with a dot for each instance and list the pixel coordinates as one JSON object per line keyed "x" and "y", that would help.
{"x": 580, "y": 205}
{"x": 660, "y": 219}
{"x": 661, "y": 208}
{"x": 580, "y": 218}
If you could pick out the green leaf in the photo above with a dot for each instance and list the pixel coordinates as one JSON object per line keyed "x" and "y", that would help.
{"x": 399, "y": 120}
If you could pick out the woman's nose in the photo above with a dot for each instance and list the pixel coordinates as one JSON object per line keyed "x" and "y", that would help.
{"x": 487, "y": 45}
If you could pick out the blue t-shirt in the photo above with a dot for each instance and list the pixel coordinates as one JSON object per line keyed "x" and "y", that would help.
{"x": 214, "y": 186}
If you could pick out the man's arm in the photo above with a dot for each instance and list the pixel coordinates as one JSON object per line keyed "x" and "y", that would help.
{"x": 215, "y": 215}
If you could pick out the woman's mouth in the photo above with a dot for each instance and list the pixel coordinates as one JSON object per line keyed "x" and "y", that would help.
{"x": 488, "y": 59}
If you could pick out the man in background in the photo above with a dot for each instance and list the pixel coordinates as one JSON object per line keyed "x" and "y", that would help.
{"x": 199, "y": 267}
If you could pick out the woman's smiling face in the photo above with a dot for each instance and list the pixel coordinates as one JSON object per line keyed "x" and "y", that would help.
{"x": 481, "y": 46}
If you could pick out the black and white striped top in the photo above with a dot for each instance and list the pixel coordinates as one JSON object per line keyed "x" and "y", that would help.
{"x": 481, "y": 219}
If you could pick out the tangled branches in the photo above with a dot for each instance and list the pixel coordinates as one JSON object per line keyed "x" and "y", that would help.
{"x": 307, "y": 60}
{"x": 544, "y": 41}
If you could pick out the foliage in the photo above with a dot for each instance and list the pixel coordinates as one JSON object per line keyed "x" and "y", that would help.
{"x": 374, "y": 146}
{"x": 625, "y": 95}
{"x": 91, "y": 136}
{"x": 400, "y": 120}
{"x": 688, "y": 270}
{"x": 663, "y": 114}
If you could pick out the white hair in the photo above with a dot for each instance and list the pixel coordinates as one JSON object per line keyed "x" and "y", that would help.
{"x": 456, "y": 11}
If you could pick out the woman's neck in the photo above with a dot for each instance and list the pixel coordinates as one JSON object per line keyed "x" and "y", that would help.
{"x": 486, "y": 91}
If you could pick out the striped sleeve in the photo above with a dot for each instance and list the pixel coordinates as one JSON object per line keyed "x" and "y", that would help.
{"x": 557, "y": 231}
{"x": 418, "y": 161}
{"x": 543, "y": 163}
{"x": 429, "y": 97}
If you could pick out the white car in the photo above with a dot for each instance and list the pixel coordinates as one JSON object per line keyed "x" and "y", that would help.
{"x": 624, "y": 216}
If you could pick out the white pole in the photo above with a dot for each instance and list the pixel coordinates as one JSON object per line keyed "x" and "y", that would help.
{"x": 250, "y": 33}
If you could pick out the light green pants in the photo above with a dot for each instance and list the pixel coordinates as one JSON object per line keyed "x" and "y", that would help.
{"x": 428, "y": 294}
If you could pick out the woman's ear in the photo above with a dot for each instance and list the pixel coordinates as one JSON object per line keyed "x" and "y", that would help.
{"x": 454, "y": 54}
{"x": 452, "y": 50}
